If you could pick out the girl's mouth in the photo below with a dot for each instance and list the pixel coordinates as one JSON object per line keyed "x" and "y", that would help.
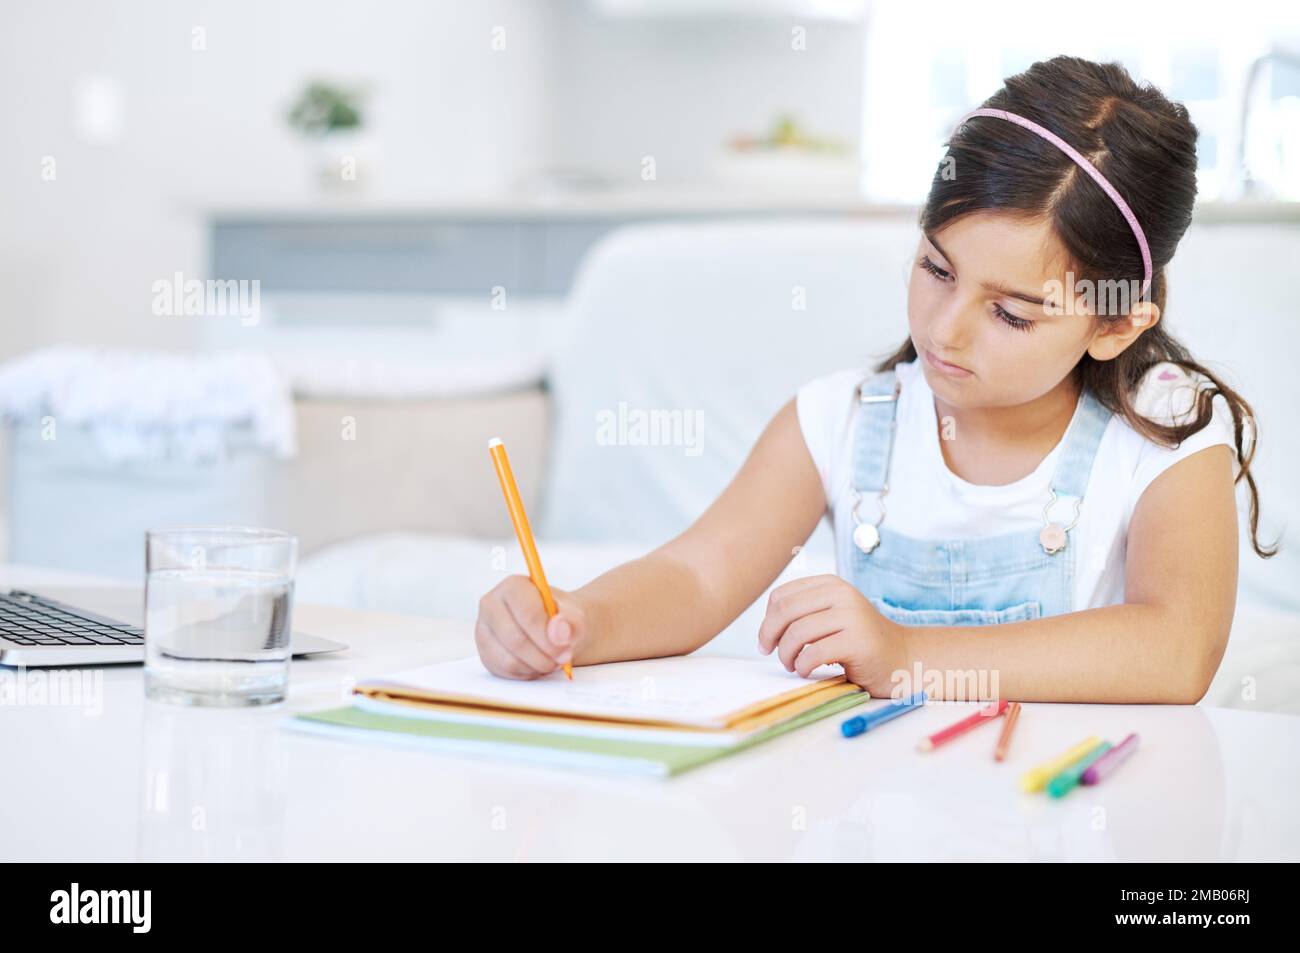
{"x": 943, "y": 367}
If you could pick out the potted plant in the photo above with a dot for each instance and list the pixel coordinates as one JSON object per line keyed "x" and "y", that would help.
{"x": 331, "y": 118}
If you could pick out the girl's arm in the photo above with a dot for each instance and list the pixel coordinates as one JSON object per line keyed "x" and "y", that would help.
{"x": 684, "y": 593}
{"x": 1162, "y": 644}
{"x": 678, "y": 597}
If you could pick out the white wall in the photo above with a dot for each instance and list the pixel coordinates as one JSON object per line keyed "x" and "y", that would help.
{"x": 78, "y": 254}
{"x": 678, "y": 88}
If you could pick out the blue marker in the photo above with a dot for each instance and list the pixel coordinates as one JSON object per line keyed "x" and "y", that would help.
{"x": 863, "y": 723}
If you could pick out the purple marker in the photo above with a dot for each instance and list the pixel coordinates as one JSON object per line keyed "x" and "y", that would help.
{"x": 1111, "y": 760}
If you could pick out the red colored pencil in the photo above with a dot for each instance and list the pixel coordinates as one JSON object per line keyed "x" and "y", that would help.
{"x": 987, "y": 713}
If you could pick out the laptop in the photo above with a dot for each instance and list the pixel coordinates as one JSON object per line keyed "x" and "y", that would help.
{"x": 91, "y": 627}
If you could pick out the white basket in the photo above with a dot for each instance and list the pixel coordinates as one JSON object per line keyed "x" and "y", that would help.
{"x": 71, "y": 507}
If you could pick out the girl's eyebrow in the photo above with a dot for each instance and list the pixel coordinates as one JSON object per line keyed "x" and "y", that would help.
{"x": 993, "y": 286}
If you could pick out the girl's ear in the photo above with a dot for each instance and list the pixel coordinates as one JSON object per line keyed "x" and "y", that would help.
{"x": 1112, "y": 340}
{"x": 1144, "y": 315}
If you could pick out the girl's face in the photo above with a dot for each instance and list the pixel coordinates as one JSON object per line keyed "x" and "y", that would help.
{"x": 978, "y": 302}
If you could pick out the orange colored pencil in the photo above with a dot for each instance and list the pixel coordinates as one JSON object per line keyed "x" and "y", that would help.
{"x": 1004, "y": 739}
{"x": 515, "y": 504}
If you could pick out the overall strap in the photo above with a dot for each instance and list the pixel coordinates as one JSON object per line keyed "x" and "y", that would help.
{"x": 873, "y": 433}
{"x": 1075, "y": 465}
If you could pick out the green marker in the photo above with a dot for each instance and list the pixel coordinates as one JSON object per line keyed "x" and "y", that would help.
{"x": 1068, "y": 780}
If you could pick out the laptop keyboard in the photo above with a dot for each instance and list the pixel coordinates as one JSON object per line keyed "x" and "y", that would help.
{"x": 31, "y": 621}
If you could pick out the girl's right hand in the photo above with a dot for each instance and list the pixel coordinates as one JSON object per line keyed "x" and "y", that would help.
{"x": 514, "y": 637}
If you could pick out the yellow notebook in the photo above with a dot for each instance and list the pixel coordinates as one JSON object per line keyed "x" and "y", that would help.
{"x": 684, "y": 693}
{"x": 484, "y": 714}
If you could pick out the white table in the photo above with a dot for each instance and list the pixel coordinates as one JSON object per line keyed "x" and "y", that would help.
{"x": 140, "y": 780}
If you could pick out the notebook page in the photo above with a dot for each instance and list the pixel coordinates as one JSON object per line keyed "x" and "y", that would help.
{"x": 689, "y": 690}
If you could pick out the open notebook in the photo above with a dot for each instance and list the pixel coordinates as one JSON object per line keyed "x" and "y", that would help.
{"x": 656, "y": 717}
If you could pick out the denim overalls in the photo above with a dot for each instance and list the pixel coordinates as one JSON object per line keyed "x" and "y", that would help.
{"x": 994, "y": 579}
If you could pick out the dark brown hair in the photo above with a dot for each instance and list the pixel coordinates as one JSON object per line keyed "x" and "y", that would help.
{"x": 1146, "y": 146}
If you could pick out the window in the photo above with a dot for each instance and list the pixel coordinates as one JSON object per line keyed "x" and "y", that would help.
{"x": 927, "y": 65}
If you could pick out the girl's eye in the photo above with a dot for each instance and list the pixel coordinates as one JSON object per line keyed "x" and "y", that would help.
{"x": 1020, "y": 324}
{"x": 933, "y": 269}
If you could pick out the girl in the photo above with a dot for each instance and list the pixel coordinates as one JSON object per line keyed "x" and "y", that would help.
{"x": 1038, "y": 484}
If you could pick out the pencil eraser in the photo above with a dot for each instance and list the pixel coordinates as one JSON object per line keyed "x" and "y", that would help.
{"x": 494, "y": 442}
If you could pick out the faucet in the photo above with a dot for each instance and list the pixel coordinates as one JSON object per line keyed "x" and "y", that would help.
{"x": 1251, "y": 188}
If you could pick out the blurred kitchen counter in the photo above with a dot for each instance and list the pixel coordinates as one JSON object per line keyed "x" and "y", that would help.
{"x": 651, "y": 199}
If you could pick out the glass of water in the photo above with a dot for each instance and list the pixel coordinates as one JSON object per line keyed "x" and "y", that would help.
{"x": 217, "y": 614}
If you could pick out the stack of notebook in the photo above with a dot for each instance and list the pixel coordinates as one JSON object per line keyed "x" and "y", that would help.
{"x": 657, "y": 717}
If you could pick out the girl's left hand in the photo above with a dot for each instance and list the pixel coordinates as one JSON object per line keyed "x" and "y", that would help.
{"x": 822, "y": 620}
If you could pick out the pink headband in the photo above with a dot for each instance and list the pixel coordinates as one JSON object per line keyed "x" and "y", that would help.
{"x": 1088, "y": 167}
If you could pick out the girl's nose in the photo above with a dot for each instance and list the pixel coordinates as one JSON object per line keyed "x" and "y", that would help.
{"x": 949, "y": 325}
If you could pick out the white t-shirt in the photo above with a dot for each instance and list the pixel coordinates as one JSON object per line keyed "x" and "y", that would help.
{"x": 928, "y": 501}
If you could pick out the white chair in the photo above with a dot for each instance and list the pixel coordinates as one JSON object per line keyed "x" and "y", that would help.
{"x": 722, "y": 322}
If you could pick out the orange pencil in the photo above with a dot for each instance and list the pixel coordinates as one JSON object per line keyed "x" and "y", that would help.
{"x": 515, "y": 504}
{"x": 1004, "y": 739}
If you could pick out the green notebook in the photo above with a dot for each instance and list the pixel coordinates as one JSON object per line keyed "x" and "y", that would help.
{"x": 543, "y": 747}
